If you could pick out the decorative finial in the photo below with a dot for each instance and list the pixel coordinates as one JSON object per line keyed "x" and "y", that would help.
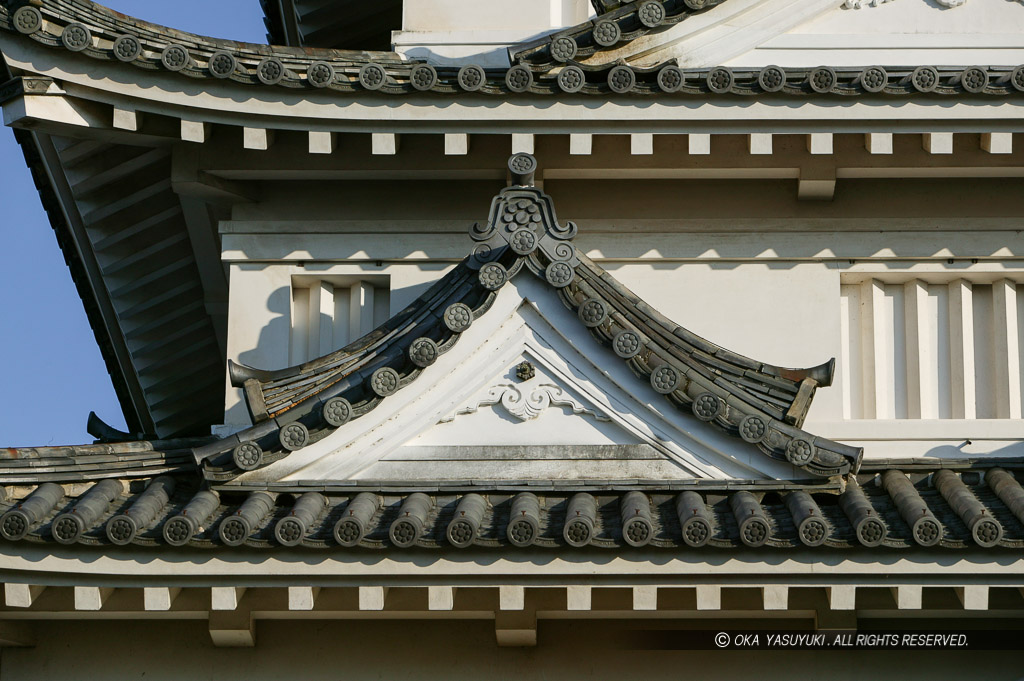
{"x": 522, "y": 166}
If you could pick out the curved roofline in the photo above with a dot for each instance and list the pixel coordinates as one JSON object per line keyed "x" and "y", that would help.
{"x": 945, "y": 512}
{"x": 102, "y": 34}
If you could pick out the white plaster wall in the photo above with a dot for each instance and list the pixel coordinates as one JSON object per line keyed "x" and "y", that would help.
{"x": 474, "y": 15}
{"x": 475, "y": 32}
{"x": 779, "y": 313}
{"x": 903, "y": 32}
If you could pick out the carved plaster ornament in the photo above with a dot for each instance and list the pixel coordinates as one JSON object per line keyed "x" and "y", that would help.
{"x": 528, "y": 406}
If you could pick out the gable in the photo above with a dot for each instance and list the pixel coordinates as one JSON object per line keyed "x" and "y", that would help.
{"x": 605, "y": 354}
{"x": 526, "y": 321}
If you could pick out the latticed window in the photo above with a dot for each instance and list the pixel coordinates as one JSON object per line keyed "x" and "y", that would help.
{"x": 329, "y": 313}
{"x": 932, "y": 349}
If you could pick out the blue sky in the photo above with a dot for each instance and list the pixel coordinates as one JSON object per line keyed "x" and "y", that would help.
{"x": 52, "y": 372}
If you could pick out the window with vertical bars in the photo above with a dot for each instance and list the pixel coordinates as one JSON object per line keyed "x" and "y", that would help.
{"x": 330, "y": 313}
{"x": 932, "y": 350}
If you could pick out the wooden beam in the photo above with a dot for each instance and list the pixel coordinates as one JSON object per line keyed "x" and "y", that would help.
{"x": 322, "y": 142}
{"x": 226, "y": 597}
{"x": 645, "y": 598}
{"x": 963, "y": 400}
{"x": 759, "y": 143}
{"x": 908, "y": 596}
{"x": 1006, "y": 348}
{"x": 878, "y": 142}
{"x": 372, "y": 597}
{"x": 581, "y": 144}
{"x": 819, "y": 143}
{"x": 22, "y": 595}
{"x": 292, "y": 162}
{"x": 440, "y": 598}
{"x": 31, "y": 111}
{"x": 577, "y": 597}
{"x": 842, "y": 597}
{"x": 514, "y": 628}
{"x": 937, "y": 142}
{"x": 511, "y": 597}
{"x": 641, "y": 144}
{"x": 320, "y": 335}
{"x": 698, "y": 144}
{"x": 384, "y": 143}
{"x": 302, "y": 597}
{"x": 232, "y": 628}
{"x": 997, "y": 142}
{"x": 257, "y": 139}
{"x": 127, "y": 119}
{"x": 775, "y": 597}
{"x": 835, "y": 621}
{"x": 456, "y": 144}
{"x": 874, "y": 350}
{"x": 973, "y": 597}
{"x": 158, "y": 598}
{"x": 709, "y": 597}
{"x": 816, "y": 184}
{"x": 91, "y": 597}
{"x": 920, "y": 360}
{"x": 816, "y": 190}
{"x": 360, "y": 311}
{"x": 189, "y": 180}
{"x": 195, "y": 131}
{"x": 522, "y": 143}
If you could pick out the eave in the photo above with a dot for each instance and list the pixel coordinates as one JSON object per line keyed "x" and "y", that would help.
{"x": 150, "y": 47}
{"x": 890, "y": 512}
{"x": 119, "y": 372}
{"x": 235, "y": 596}
{"x": 132, "y": 255}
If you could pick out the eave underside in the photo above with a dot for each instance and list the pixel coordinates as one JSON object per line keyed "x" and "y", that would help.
{"x": 619, "y": 615}
{"x": 123, "y": 230}
{"x": 344, "y": 24}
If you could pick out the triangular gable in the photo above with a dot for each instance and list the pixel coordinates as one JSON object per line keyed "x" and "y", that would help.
{"x": 526, "y": 320}
{"x": 721, "y": 412}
